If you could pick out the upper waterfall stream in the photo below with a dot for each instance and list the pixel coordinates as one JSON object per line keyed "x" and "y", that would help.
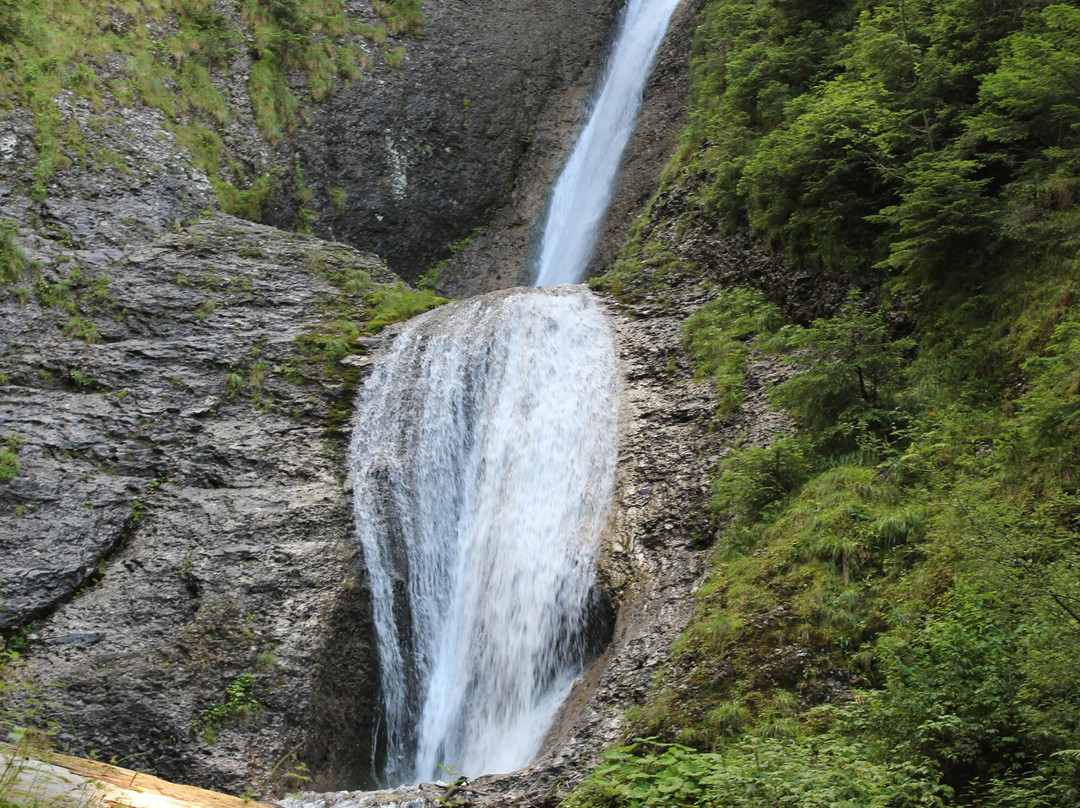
{"x": 483, "y": 458}
{"x": 584, "y": 188}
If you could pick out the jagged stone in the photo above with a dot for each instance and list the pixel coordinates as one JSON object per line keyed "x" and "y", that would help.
{"x": 653, "y": 555}
{"x": 179, "y": 516}
{"x": 427, "y": 152}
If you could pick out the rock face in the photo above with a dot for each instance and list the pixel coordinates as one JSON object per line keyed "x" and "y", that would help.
{"x": 175, "y": 548}
{"x": 179, "y": 515}
{"x": 427, "y": 152}
{"x": 653, "y": 553}
{"x": 134, "y": 183}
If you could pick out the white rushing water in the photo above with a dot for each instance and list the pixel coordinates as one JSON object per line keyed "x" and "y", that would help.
{"x": 483, "y": 458}
{"x": 584, "y": 188}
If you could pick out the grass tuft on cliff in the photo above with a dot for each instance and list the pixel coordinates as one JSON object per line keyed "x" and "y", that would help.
{"x": 12, "y": 258}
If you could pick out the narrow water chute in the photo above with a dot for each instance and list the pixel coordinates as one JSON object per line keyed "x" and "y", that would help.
{"x": 583, "y": 190}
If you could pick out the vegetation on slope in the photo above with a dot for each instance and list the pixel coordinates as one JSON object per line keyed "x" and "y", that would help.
{"x": 175, "y": 55}
{"x": 892, "y": 615}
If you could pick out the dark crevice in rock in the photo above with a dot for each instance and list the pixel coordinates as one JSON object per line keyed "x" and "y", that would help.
{"x": 344, "y": 709}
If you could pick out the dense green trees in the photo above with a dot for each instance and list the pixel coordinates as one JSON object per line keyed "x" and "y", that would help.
{"x": 916, "y": 543}
{"x": 902, "y": 134}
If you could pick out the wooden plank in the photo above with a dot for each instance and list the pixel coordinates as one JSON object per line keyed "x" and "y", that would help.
{"x": 70, "y": 781}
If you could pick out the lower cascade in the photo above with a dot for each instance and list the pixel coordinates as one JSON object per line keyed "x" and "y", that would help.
{"x": 483, "y": 459}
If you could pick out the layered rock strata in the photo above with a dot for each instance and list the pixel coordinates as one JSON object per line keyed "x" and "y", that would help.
{"x": 179, "y": 519}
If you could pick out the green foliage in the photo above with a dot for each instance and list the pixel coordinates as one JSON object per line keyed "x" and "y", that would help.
{"x": 824, "y": 771}
{"x": 9, "y": 465}
{"x": 944, "y": 217}
{"x": 394, "y": 58}
{"x": 335, "y": 340}
{"x": 337, "y": 199}
{"x": 234, "y": 384}
{"x": 642, "y": 264}
{"x": 60, "y": 44}
{"x": 853, "y": 370}
{"x": 401, "y": 16}
{"x": 888, "y": 134}
{"x": 276, "y": 108}
{"x": 239, "y": 704}
{"x": 82, "y": 381}
{"x": 245, "y": 203}
{"x": 951, "y": 694}
{"x": 12, "y": 259}
{"x": 812, "y": 182}
{"x": 751, "y": 483}
{"x": 340, "y": 269}
{"x": 83, "y": 328}
{"x": 720, "y": 335}
{"x": 910, "y": 554}
{"x": 392, "y": 303}
{"x": 11, "y": 25}
{"x": 27, "y": 732}
{"x": 430, "y": 278}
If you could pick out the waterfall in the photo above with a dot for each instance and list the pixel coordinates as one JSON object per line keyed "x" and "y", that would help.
{"x": 483, "y": 460}
{"x": 584, "y": 188}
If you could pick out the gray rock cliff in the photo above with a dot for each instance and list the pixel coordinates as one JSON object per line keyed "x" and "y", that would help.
{"x": 179, "y": 519}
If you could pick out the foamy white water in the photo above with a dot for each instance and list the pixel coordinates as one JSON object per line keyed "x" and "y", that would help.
{"x": 483, "y": 458}
{"x": 583, "y": 190}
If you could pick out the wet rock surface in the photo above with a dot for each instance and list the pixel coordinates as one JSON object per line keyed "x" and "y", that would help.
{"x": 132, "y": 183}
{"x": 500, "y": 255}
{"x": 179, "y": 518}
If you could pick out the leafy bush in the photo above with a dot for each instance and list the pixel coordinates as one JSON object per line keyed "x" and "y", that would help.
{"x": 951, "y": 694}
{"x": 853, "y": 371}
{"x": 752, "y": 483}
{"x": 245, "y": 203}
{"x": 10, "y": 21}
{"x": 9, "y": 465}
{"x": 822, "y": 771}
{"x": 240, "y": 703}
{"x": 719, "y": 334}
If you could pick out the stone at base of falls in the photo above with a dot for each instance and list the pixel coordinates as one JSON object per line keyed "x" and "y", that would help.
{"x": 422, "y": 796}
{"x": 60, "y": 781}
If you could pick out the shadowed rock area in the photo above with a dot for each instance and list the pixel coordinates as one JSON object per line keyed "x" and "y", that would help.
{"x": 427, "y": 152}
{"x": 500, "y": 255}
